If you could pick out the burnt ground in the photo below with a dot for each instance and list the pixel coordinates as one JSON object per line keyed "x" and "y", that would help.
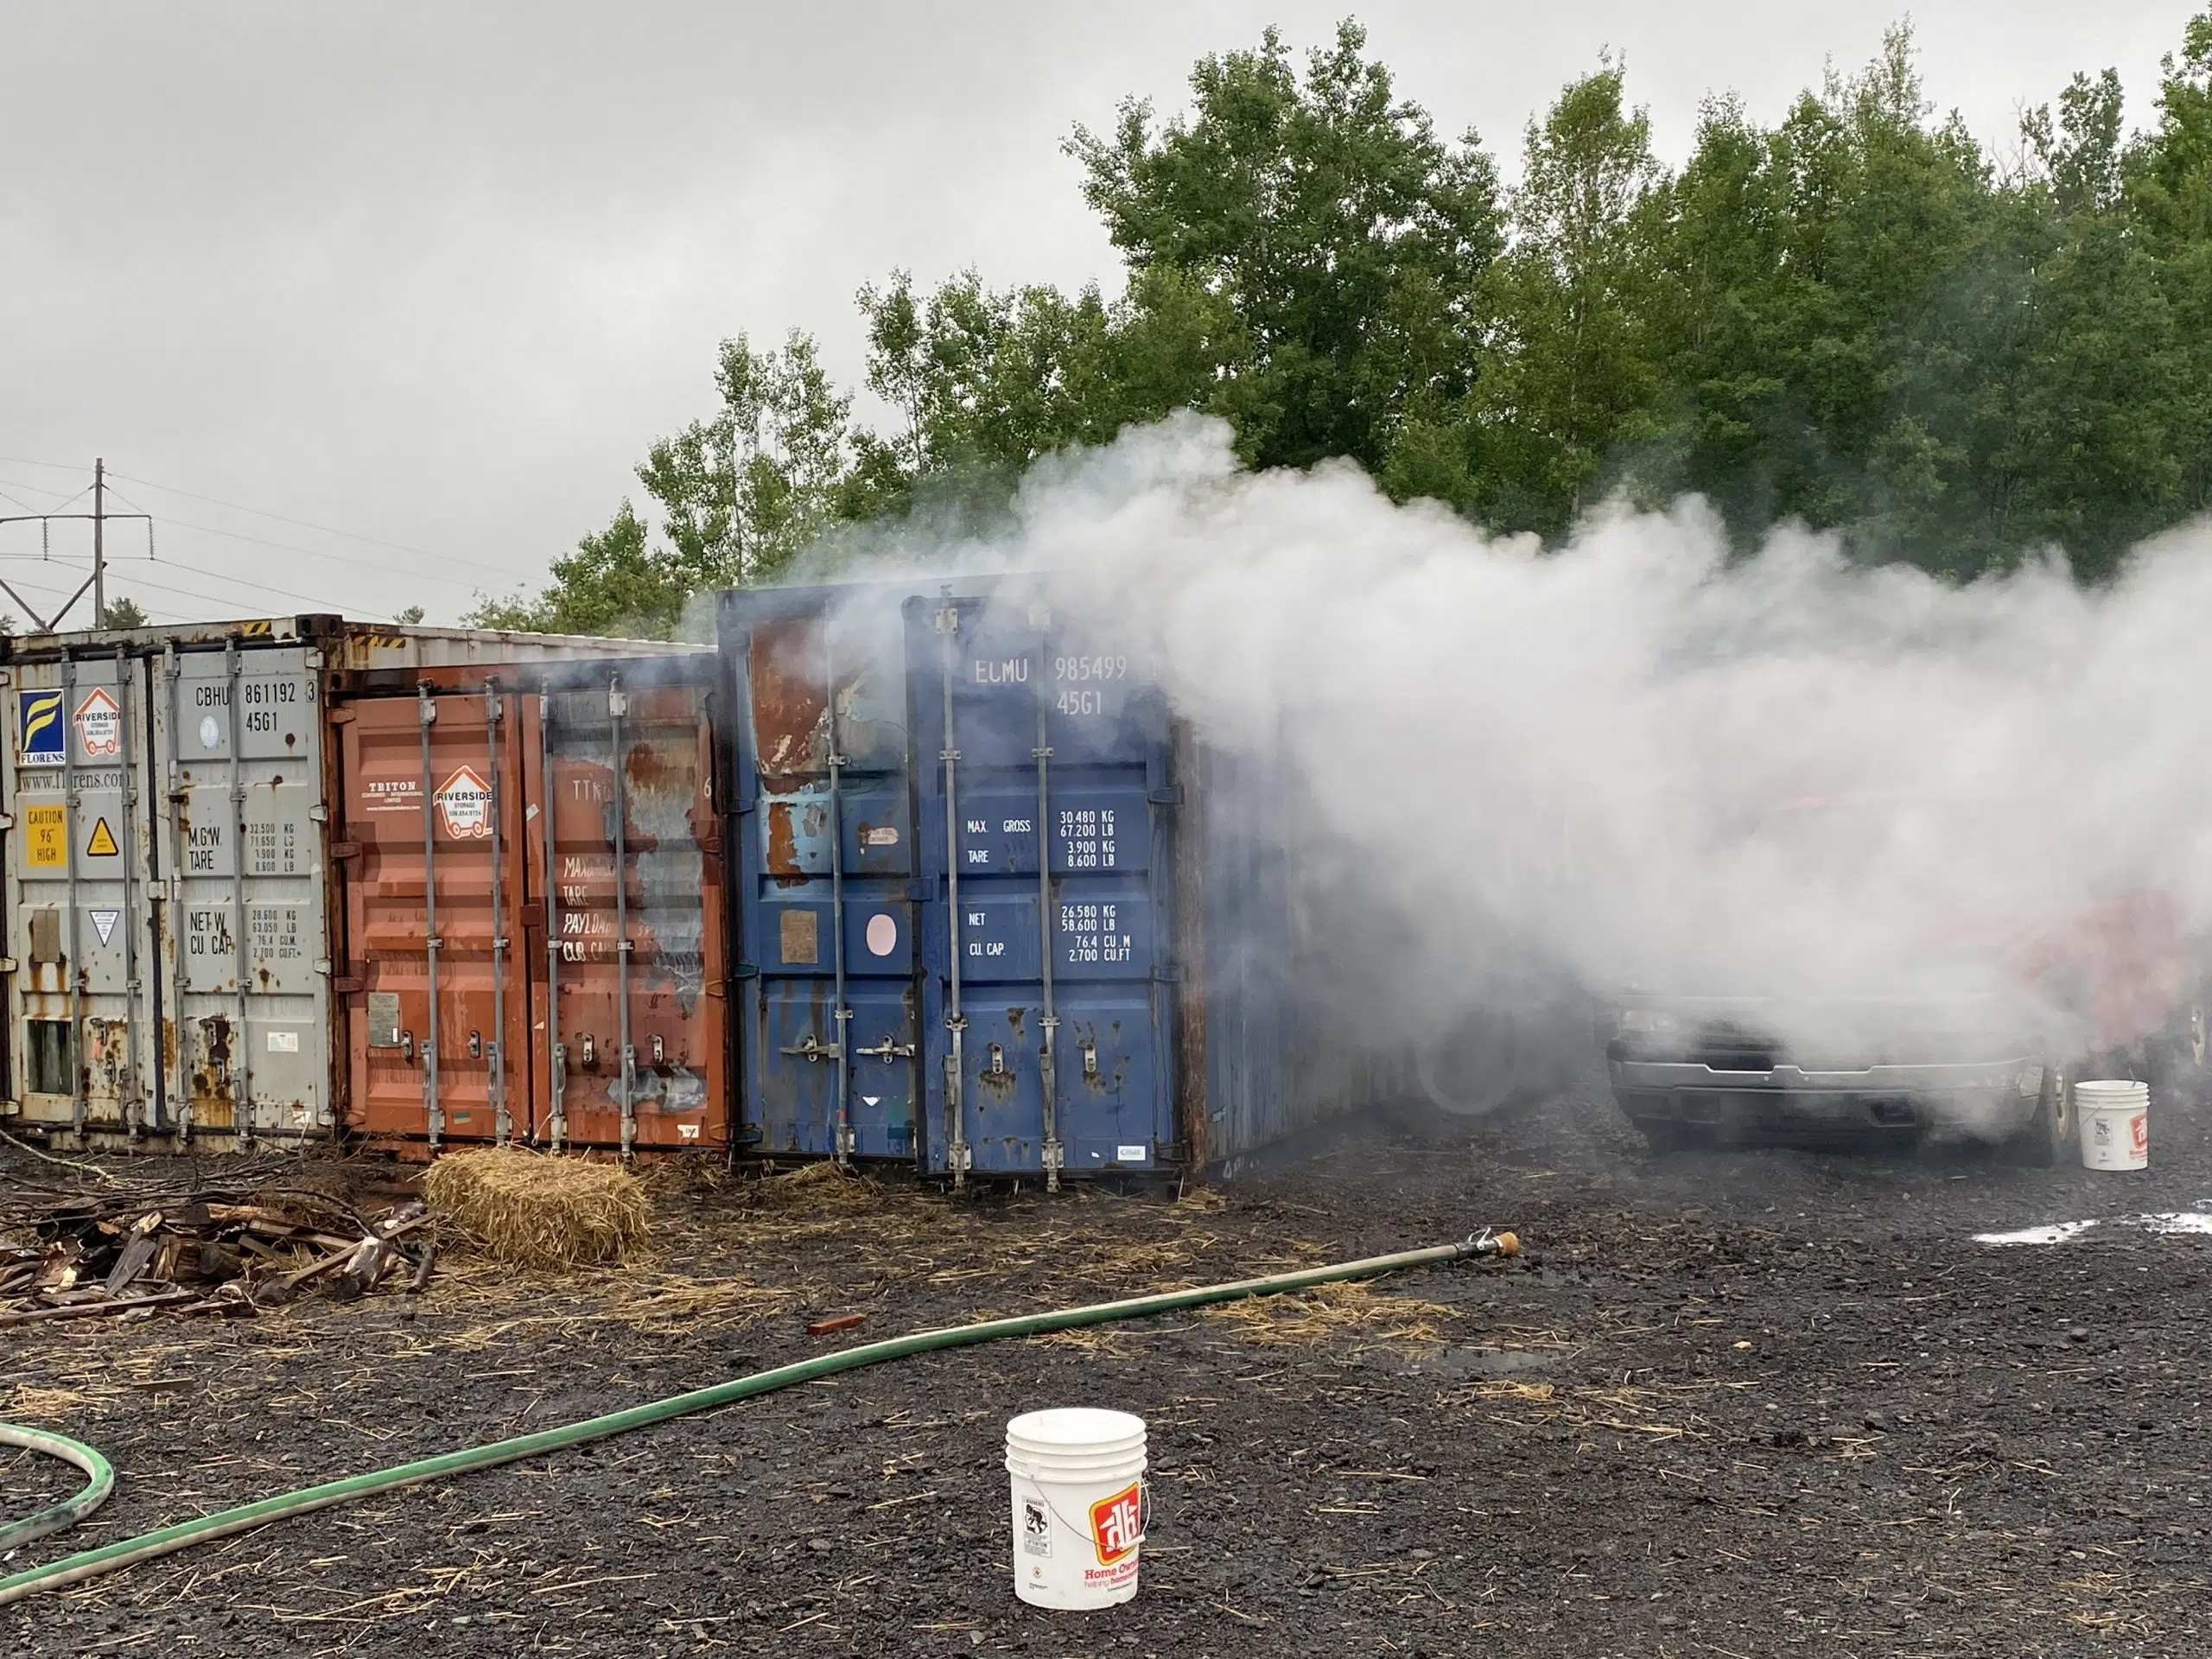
{"x": 1730, "y": 1404}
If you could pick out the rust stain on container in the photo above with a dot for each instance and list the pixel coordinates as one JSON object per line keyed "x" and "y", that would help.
{"x": 789, "y": 700}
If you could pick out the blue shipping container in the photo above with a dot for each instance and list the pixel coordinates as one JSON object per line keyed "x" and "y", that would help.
{"x": 1001, "y": 914}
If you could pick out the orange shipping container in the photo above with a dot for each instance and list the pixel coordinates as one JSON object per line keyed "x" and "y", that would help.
{"x": 534, "y": 909}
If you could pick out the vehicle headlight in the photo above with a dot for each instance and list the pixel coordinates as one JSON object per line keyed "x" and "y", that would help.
{"x": 1647, "y": 1021}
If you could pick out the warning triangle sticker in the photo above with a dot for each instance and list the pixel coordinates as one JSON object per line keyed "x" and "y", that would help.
{"x": 101, "y": 845}
{"x": 103, "y": 922}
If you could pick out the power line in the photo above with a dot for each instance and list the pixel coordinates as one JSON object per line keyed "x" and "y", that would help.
{"x": 311, "y": 552}
{"x": 137, "y": 580}
{"x": 326, "y": 529}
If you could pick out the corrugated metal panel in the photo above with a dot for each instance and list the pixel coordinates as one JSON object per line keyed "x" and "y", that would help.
{"x": 904, "y": 763}
{"x": 539, "y": 956}
{"x": 167, "y": 861}
{"x": 171, "y": 919}
{"x": 826, "y": 854}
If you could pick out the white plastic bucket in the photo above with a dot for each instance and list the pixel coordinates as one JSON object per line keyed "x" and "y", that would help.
{"x": 2115, "y": 1120}
{"x": 1077, "y": 1476}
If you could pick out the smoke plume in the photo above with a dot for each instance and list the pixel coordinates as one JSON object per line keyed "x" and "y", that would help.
{"x": 1636, "y": 760}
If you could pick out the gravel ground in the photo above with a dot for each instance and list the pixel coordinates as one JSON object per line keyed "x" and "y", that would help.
{"x": 1729, "y": 1403}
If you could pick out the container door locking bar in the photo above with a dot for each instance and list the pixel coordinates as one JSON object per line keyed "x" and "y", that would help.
{"x": 426, "y": 715}
{"x": 618, "y": 710}
{"x": 838, "y": 1010}
{"x": 556, "y": 1123}
{"x": 1048, "y": 1089}
{"x": 957, "y": 1156}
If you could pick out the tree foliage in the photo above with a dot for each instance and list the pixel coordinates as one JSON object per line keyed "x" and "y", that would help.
{"x": 1853, "y": 317}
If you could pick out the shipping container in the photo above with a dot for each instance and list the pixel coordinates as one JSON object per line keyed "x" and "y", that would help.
{"x": 172, "y": 928}
{"x": 535, "y": 908}
{"x": 1001, "y": 912}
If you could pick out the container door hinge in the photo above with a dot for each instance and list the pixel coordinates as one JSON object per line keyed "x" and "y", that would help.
{"x": 322, "y": 966}
{"x": 745, "y": 970}
{"x": 1055, "y": 1157}
{"x": 1170, "y": 973}
{"x": 1171, "y": 795}
{"x": 318, "y": 813}
{"x": 6, "y": 964}
{"x": 7, "y": 820}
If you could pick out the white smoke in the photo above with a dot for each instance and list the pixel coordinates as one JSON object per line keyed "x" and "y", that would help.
{"x": 1606, "y": 754}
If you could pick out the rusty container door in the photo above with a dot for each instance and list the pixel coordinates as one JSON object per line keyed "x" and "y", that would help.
{"x": 827, "y": 873}
{"x": 437, "y": 1014}
{"x": 630, "y": 1023}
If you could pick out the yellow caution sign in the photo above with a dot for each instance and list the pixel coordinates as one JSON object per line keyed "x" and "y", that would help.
{"x": 46, "y": 837}
{"x": 102, "y": 844}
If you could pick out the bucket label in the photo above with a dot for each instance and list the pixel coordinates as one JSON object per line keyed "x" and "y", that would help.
{"x": 2138, "y": 1131}
{"x": 1116, "y": 1525}
{"x": 100, "y": 725}
{"x": 1036, "y": 1529}
{"x": 465, "y": 803}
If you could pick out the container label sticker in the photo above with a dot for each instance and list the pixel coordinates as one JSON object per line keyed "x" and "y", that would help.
{"x": 1135, "y": 1154}
{"x": 383, "y": 1019}
{"x": 45, "y": 835}
{"x": 103, "y": 922}
{"x": 100, "y": 725}
{"x": 465, "y": 805}
{"x": 284, "y": 1042}
{"x": 882, "y": 935}
{"x": 687, "y": 1131}
{"x": 41, "y": 739}
{"x": 881, "y": 834}
{"x": 391, "y": 795}
{"x": 798, "y": 938}
{"x": 1116, "y": 1527}
{"x": 1036, "y": 1529}
{"x": 101, "y": 842}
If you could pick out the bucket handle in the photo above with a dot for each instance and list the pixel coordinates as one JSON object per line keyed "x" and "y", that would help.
{"x": 1028, "y": 1472}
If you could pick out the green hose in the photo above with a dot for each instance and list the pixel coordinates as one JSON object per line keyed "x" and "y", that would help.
{"x": 99, "y": 1481}
{"x": 129, "y": 1552}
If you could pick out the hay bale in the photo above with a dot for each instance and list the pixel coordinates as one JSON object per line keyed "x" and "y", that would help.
{"x": 535, "y": 1210}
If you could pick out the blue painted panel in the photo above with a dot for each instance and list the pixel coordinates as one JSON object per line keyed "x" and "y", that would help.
{"x": 1134, "y": 822}
{"x": 1019, "y": 681}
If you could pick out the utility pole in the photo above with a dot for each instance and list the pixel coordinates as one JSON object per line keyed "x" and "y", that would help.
{"x": 99, "y": 541}
{"x": 97, "y": 582}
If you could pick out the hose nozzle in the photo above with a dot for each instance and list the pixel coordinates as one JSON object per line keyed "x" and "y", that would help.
{"x": 1490, "y": 1242}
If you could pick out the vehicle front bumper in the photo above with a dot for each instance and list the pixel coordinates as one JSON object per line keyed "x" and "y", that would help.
{"x": 1986, "y": 1100}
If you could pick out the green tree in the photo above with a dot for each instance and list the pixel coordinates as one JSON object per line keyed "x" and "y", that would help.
{"x": 1576, "y": 369}
{"x": 121, "y": 613}
{"x": 1347, "y": 241}
{"x": 740, "y": 494}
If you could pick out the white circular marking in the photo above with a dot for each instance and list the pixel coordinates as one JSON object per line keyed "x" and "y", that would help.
{"x": 882, "y": 935}
{"x": 211, "y": 733}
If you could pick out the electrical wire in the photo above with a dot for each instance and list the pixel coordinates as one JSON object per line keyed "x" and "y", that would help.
{"x": 303, "y": 523}
{"x": 138, "y": 579}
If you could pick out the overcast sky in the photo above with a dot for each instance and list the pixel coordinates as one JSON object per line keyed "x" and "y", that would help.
{"x": 436, "y": 274}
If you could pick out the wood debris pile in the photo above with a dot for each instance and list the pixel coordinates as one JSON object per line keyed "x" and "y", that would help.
{"x": 78, "y": 1256}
